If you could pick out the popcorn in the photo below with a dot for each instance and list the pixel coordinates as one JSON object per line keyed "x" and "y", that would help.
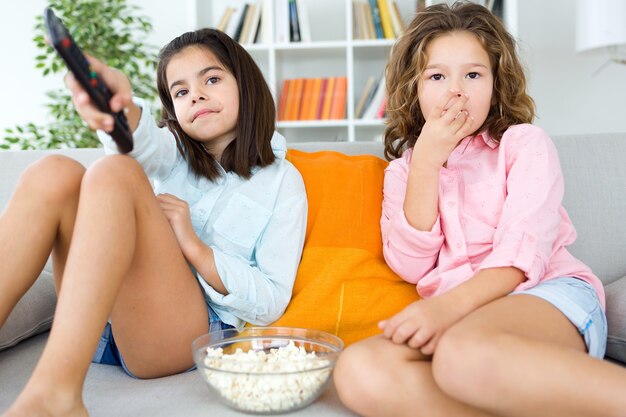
{"x": 287, "y": 377}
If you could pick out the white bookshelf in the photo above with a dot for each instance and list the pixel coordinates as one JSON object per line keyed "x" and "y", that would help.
{"x": 332, "y": 52}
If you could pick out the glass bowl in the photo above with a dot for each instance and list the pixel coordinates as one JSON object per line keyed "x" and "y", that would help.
{"x": 267, "y": 370}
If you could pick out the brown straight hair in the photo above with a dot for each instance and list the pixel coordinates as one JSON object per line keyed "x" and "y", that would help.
{"x": 256, "y": 121}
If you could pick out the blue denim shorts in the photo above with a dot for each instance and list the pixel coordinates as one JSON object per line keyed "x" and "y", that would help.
{"x": 579, "y": 302}
{"x": 107, "y": 352}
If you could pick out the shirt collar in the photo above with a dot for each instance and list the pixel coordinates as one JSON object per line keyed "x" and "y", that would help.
{"x": 489, "y": 141}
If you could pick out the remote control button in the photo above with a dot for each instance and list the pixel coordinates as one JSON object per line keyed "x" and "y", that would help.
{"x": 66, "y": 43}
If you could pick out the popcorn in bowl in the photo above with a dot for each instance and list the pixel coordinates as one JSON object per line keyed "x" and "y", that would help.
{"x": 267, "y": 370}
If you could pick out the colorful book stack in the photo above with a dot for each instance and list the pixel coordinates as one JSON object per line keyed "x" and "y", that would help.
{"x": 313, "y": 99}
{"x": 376, "y": 19}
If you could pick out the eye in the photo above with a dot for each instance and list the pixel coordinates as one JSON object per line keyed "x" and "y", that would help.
{"x": 436, "y": 77}
{"x": 180, "y": 93}
{"x": 212, "y": 80}
{"x": 473, "y": 75}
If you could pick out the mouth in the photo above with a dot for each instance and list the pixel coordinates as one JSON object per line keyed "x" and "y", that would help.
{"x": 201, "y": 113}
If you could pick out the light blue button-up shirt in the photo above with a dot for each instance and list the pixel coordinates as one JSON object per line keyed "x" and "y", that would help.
{"x": 255, "y": 227}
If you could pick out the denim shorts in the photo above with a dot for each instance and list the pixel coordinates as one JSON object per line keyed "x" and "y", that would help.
{"x": 107, "y": 352}
{"x": 579, "y": 302}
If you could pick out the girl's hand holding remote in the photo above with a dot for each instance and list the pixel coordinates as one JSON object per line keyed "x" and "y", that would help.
{"x": 119, "y": 85}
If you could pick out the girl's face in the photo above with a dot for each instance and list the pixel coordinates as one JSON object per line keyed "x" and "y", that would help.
{"x": 205, "y": 97}
{"x": 457, "y": 61}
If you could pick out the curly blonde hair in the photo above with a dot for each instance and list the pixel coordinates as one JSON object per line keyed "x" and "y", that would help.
{"x": 511, "y": 104}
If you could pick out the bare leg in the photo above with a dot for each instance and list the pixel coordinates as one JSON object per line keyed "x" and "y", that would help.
{"x": 376, "y": 377}
{"x": 125, "y": 262}
{"x": 519, "y": 356}
{"x": 39, "y": 216}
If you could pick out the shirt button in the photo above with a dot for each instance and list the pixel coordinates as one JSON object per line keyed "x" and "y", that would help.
{"x": 202, "y": 212}
{"x": 451, "y": 203}
{"x": 450, "y": 180}
{"x": 459, "y": 244}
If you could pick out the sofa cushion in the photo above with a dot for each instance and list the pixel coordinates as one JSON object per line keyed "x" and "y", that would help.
{"x": 616, "y": 317}
{"x": 343, "y": 285}
{"x": 32, "y": 314}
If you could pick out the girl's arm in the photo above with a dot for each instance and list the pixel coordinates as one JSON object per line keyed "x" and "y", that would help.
{"x": 154, "y": 148}
{"x": 409, "y": 252}
{"x": 421, "y": 324}
{"x": 411, "y": 232}
{"x": 259, "y": 293}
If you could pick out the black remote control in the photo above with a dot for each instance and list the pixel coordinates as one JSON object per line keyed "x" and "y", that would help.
{"x": 77, "y": 63}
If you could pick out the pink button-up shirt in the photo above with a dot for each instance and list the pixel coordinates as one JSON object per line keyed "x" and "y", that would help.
{"x": 499, "y": 206}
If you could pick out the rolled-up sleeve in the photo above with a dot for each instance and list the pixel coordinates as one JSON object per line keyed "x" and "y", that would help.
{"x": 409, "y": 252}
{"x": 259, "y": 294}
{"x": 531, "y": 216}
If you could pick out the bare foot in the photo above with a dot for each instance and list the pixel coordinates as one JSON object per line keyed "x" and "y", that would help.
{"x": 50, "y": 404}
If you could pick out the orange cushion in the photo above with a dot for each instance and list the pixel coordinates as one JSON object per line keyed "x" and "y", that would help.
{"x": 343, "y": 285}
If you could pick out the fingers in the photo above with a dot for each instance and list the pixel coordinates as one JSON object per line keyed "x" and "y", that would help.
{"x": 117, "y": 83}
{"x": 445, "y": 102}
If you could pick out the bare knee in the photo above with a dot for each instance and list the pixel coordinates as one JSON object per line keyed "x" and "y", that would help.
{"x": 117, "y": 171}
{"x": 359, "y": 377}
{"x": 466, "y": 363}
{"x": 53, "y": 178}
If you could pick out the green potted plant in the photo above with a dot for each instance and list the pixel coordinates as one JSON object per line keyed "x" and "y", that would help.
{"x": 111, "y": 30}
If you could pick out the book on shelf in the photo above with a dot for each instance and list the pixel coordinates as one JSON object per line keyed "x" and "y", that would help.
{"x": 369, "y": 20}
{"x": 241, "y": 23}
{"x": 294, "y": 26}
{"x": 303, "y": 21}
{"x": 306, "y": 102}
{"x": 370, "y": 85}
{"x": 223, "y": 22}
{"x": 376, "y": 17}
{"x": 363, "y": 25}
{"x": 385, "y": 19}
{"x": 254, "y": 24}
{"x": 265, "y": 35}
{"x": 316, "y": 95}
{"x": 372, "y": 108}
{"x": 247, "y": 24}
{"x": 321, "y": 99}
{"x": 294, "y": 99}
{"x": 236, "y": 17}
{"x": 328, "y": 98}
{"x": 396, "y": 18}
{"x": 338, "y": 106}
{"x": 282, "y": 103}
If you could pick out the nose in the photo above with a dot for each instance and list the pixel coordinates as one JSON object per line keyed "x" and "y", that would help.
{"x": 456, "y": 84}
{"x": 198, "y": 95}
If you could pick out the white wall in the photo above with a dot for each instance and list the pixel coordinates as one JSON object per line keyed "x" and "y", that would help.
{"x": 569, "y": 99}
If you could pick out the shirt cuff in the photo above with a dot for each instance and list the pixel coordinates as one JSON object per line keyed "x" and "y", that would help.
{"x": 227, "y": 267}
{"x": 519, "y": 252}
{"x": 403, "y": 235}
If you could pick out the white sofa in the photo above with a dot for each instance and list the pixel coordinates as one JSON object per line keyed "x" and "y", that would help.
{"x": 595, "y": 175}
